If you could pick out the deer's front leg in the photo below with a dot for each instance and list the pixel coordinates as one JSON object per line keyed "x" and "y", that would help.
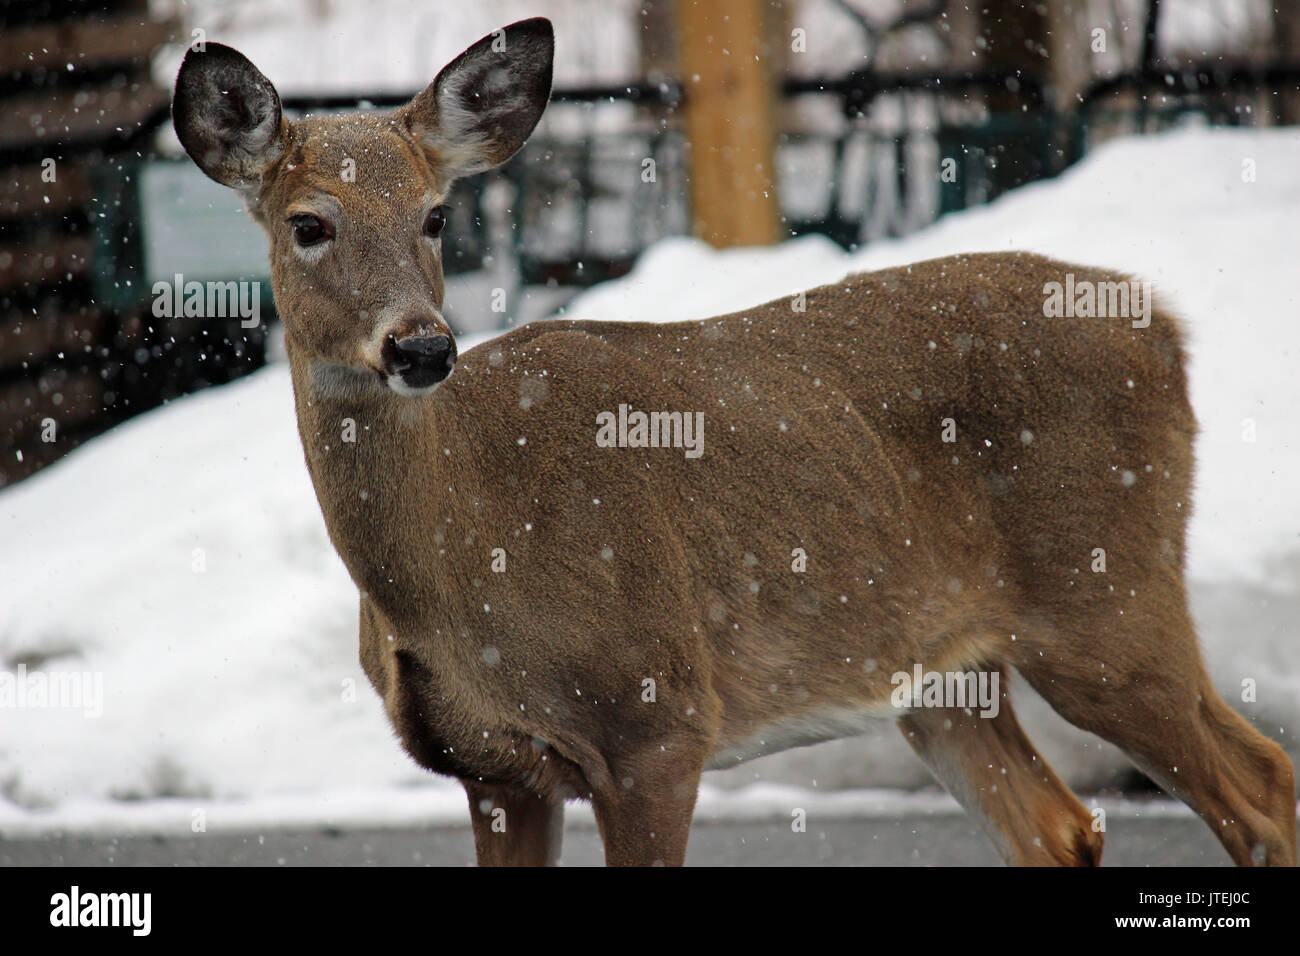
{"x": 513, "y": 827}
{"x": 644, "y": 813}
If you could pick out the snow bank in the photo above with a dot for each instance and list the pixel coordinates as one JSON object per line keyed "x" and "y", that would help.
{"x": 1172, "y": 209}
{"x": 183, "y": 557}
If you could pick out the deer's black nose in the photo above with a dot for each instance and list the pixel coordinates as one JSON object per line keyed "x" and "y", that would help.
{"x": 421, "y": 360}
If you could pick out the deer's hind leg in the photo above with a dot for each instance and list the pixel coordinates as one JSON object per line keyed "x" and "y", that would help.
{"x": 1131, "y": 673}
{"x": 992, "y": 769}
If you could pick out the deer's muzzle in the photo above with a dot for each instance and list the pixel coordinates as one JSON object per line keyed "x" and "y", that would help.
{"x": 419, "y": 361}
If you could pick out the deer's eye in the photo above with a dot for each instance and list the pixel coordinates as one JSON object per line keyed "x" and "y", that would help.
{"x": 308, "y": 230}
{"x": 434, "y": 222}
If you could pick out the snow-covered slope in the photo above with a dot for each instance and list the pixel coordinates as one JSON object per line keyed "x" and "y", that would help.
{"x": 183, "y": 556}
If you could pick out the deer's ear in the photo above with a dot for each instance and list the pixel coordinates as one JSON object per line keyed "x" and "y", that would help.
{"x": 485, "y": 103}
{"x": 227, "y": 116}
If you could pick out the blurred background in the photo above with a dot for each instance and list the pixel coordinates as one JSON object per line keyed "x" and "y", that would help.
{"x": 743, "y": 122}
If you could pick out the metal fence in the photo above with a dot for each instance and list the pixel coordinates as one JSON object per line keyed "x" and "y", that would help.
{"x": 889, "y": 154}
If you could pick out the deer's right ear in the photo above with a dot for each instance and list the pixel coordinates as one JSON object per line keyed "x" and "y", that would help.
{"x": 486, "y": 102}
{"x": 227, "y": 116}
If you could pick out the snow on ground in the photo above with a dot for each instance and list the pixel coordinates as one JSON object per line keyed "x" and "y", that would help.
{"x": 183, "y": 560}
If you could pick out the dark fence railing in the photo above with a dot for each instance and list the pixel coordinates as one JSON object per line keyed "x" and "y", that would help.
{"x": 581, "y": 210}
{"x": 891, "y": 153}
{"x": 881, "y": 155}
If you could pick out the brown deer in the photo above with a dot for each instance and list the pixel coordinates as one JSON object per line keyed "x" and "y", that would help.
{"x": 912, "y": 467}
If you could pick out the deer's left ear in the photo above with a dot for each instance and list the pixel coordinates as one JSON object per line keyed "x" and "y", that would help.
{"x": 486, "y": 102}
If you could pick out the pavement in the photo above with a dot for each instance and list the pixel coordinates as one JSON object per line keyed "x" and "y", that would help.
{"x": 931, "y": 840}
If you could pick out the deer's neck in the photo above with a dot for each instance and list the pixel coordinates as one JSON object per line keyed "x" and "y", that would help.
{"x": 371, "y": 453}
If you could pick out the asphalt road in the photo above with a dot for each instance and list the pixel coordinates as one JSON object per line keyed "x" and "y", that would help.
{"x": 878, "y": 841}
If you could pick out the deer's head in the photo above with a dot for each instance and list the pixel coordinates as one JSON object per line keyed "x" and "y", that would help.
{"x": 353, "y": 204}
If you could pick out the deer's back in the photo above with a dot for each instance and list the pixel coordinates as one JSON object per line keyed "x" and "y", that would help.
{"x": 917, "y": 392}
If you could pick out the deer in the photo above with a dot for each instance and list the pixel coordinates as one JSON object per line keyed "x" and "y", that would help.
{"x": 550, "y": 618}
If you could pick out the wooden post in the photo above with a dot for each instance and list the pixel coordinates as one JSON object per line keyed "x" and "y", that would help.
{"x": 730, "y": 121}
{"x": 1015, "y": 37}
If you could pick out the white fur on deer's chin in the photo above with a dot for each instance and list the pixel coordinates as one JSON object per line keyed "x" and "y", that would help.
{"x": 401, "y": 388}
{"x": 343, "y": 382}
